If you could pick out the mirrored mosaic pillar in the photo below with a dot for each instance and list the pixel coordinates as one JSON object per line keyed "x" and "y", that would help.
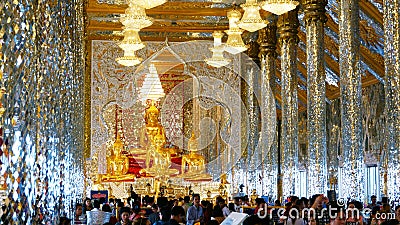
{"x": 288, "y": 24}
{"x": 391, "y": 19}
{"x": 350, "y": 92}
{"x": 42, "y": 64}
{"x": 267, "y": 41}
{"x": 315, "y": 18}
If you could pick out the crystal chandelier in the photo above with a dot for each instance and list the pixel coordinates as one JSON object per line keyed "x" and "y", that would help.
{"x": 148, "y": 4}
{"x": 131, "y": 41}
{"x": 251, "y": 20}
{"x": 129, "y": 59}
{"x": 217, "y": 60}
{"x": 279, "y": 7}
{"x": 135, "y": 18}
{"x": 151, "y": 88}
{"x": 234, "y": 44}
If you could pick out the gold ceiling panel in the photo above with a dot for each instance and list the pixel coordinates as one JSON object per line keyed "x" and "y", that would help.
{"x": 186, "y": 21}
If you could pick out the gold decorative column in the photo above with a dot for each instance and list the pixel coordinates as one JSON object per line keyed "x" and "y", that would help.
{"x": 288, "y": 24}
{"x": 315, "y": 18}
{"x": 391, "y": 18}
{"x": 267, "y": 42}
{"x": 350, "y": 92}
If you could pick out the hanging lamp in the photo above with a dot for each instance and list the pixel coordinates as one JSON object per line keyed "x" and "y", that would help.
{"x": 279, "y": 7}
{"x": 234, "y": 44}
{"x": 217, "y": 60}
{"x": 251, "y": 20}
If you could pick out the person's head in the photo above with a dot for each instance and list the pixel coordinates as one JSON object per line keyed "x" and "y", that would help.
{"x": 340, "y": 218}
{"x": 88, "y": 202}
{"x": 124, "y": 214}
{"x": 65, "y": 221}
{"x": 260, "y": 202}
{"x": 236, "y": 200}
{"x": 177, "y": 213}
{"x": 397, "y": 212}
{"x": 78, "y": 210}
{"x": 106, "y": 208}
{"x": 154, "y": 208}
{"x": 221, "y": 203}
{"x": 176, "y": 202}
{"x": 277, "y": 203}
{"x": 196, "y": 200}
{"x": 373, "y": 199}
{"x": 186, "y": 199}
{"x": 300, "y": 204}
{"x": 312, "y": 221}
{"x": 96, "y": 204}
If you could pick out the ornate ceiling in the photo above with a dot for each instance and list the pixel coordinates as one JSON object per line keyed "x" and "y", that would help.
{"x": 196, "y": 20}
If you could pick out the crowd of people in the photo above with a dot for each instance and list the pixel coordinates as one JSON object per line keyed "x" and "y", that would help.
{"x": 317, "y": 210}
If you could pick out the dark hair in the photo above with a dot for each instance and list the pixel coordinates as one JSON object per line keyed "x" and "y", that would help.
{"x": 124, "y": 209}
{"x": 77, "y": 205}
{"x": 64, "y": 220}
{"x": 252, "y": 220}
{"x": 186, "y": 199}
{"x": 165, "y": 214}
{"x": 212, "y": 222}
{"x": 177, "y": 211}
{"x": 375, "y": 210}
{"x": 196, "y": 195}
{"x": 96, "y": 204}
{"x": 373, "y": 196}
{"x": 106, "y": 208}
{"x": 154, "y": 206}
{"x": 397, "y": 207}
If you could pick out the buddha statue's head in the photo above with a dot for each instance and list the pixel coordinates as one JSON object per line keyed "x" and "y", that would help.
{"x": 118, "y": 146}
{"x": 192, "y": 143}
{"x": 152, "y": 115}
{"x": 159, "y": 140}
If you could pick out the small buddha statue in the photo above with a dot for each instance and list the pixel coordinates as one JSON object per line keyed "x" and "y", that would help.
{"x": 253, "y": 197}
{"x": 117, "y": 163}
{"x": 194, "y": 161}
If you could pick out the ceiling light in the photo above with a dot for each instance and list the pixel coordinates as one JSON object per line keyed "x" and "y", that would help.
{"x": 148, "y": 4}
{"x": 217, "y": 60}
{"x": 129, "y": 59}
{"x": 151, "y": 88}
{"x": 251, "y": 20}
{"x": 234, "y": 44}
{"x": 279, "y": 7}
{"x": 135, "y": 18}
{"x": 131, "y": 41}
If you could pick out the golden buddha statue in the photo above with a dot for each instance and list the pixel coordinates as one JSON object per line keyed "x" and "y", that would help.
{"x": 253, "y": 197}
{"x": 194, "y": 161}
{"x": 117, "y": 163}
{"x": 152, "y": 127}
{"x": 161, "y": 156}
{"x": 153, "y": 139}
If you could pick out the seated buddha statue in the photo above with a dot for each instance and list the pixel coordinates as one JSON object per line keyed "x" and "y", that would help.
{"x": 152, "y": 127}
{"x": 194, "y": 161}
{"x": 253, "y": 197}
{"x": 117, "y": 163}
{"x": 161, "y": 157}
